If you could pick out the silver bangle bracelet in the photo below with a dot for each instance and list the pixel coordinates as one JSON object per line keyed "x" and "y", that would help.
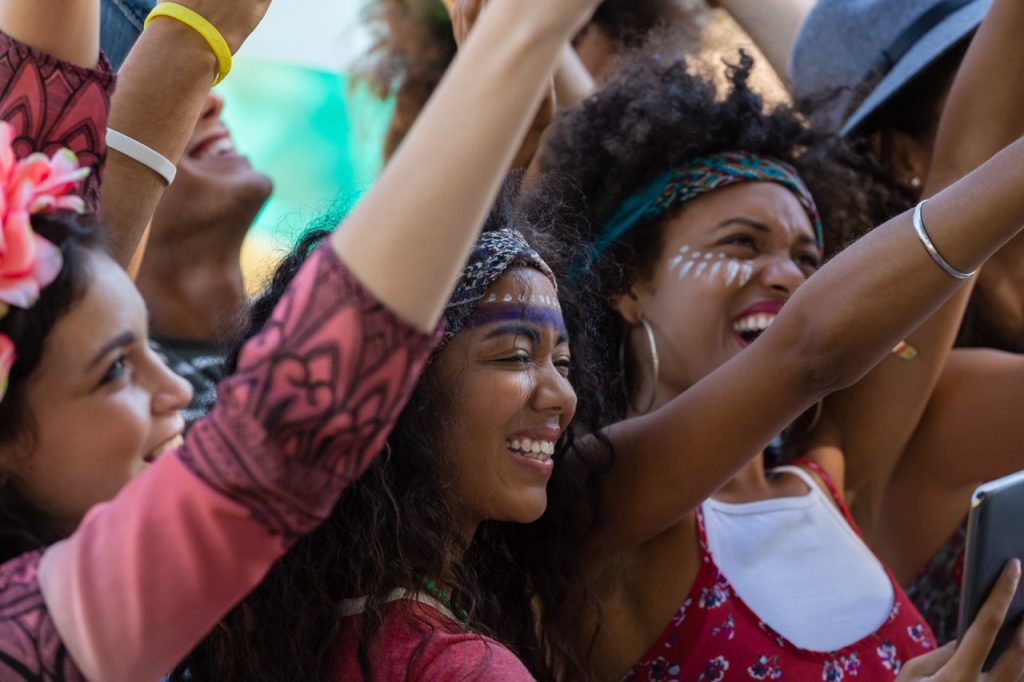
{"x": 932, "y": 251}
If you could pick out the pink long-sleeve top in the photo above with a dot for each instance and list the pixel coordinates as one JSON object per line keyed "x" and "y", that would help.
{"x": 147, "y": 574}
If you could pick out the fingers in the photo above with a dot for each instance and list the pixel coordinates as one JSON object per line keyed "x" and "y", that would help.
{"x": 925, "y": 666}
{"x": 977, "y": 641}
{"x": 1010, "y": 666}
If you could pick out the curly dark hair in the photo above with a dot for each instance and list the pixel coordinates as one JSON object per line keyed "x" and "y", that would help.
{"x": 655, "y": 115}
{"x": 24, "y": 527}
{"x": 397, "y": 525}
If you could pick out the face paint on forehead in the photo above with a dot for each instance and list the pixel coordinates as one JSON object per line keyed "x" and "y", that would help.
{"x": 503, "y": 311}
{"x": 710, "y": 266}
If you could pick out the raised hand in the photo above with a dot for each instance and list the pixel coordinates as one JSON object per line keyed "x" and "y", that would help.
{"x": 963, "y": 662}
{"x": 464, "y": 14}
{"x": 409, "y": 236}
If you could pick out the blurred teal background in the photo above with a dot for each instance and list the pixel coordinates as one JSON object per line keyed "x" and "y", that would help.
{"x": 292, "y": 110}
{"x": 318, "y": 138}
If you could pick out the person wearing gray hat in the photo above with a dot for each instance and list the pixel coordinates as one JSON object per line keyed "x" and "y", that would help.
{"x": 881, "y": 73}
{"x": 845, "y": 44}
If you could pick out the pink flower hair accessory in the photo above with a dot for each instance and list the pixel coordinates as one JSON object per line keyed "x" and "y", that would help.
{"x": 28, "y": 262}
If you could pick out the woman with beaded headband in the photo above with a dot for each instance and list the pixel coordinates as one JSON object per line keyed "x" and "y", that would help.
{"x": 447, "y": 581}
{"x": 431, "y": 566}
{"x": 701, "y": 230}
{"x": 419, "y": 572}
{"x": 88, "y": 405}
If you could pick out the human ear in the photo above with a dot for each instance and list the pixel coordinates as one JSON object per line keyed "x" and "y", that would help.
{"x": 909, "y": 159}
{"x": 629, "y": 305}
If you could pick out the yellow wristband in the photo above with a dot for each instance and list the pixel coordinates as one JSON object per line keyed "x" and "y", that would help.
{"x": 208, "y": 31}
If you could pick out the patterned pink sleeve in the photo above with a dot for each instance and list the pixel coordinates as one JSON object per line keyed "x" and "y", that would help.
{"x": 147, "y": 575}
{"x": 53, "y": 104}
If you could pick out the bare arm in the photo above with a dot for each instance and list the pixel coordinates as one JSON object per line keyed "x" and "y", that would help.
{"x": 67, "y": 29}
{"x": 983, "y": 109}
{"x": 771, "y": 24}
{"x": 971, "y": 432}
{"x": 573, "y": 83}
{"x": 837, "y": 326}
{"x": 417, "y": 226}
{"x": 159, "y": 105}
{"x": 877, "y": 418}
{"x": 570, "y": 85}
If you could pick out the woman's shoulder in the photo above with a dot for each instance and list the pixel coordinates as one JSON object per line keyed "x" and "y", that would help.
{"x": 463, "y": 655}
{"x": 420, "y": 641}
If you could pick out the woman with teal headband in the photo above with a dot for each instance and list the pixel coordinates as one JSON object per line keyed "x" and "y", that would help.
{"x": 701, "y": 232}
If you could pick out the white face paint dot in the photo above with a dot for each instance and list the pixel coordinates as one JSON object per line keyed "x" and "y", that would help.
{"x": 508, "y": 298}
{"x": 710, "y": 266}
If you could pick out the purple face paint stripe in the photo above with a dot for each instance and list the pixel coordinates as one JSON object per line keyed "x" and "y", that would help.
{"x": 543, "y": 316}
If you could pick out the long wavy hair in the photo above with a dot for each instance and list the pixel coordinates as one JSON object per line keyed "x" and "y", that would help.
{"x": 397, "y": 524}
{"x": 23, "y": 526}
{"x": 656, "y": 114}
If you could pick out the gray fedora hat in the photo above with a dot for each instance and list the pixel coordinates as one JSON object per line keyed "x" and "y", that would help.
{"x": 843, "y": 42}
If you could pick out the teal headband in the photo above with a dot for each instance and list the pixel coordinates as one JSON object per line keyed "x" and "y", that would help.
{"x": 701, "y": 176}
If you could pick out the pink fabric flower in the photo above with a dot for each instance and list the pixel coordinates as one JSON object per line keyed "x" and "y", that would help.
{"x": 29, "y": 263}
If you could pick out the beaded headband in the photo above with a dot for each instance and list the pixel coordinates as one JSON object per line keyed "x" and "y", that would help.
{"x": 29, "y": 263}
{"x": 701, "y": 176}
{"x": 494, "y": 254}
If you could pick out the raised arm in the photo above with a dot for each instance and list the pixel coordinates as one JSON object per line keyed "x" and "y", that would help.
{"x": 316, "y": 392}
{"x": 158, "y": 105}
{"x": 877, "y": 419}
{"x": 148, "y": 574}
{"x": 837, "y": 326}
{"x": 502, "y": 70}
{"x": 571, "y": 84}
{"x": 771, "y": 24}
{"x": 67, "y": 29}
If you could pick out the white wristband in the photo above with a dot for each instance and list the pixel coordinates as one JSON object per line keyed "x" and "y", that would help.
{"x": 150, "y": 158}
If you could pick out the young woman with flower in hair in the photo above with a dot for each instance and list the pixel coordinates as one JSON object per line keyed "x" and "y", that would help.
{"x": 88, "y": 405}
{"x": 703, "y": 235}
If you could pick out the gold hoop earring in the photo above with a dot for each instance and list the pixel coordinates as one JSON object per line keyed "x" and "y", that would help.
{"x": 653, "y": 346}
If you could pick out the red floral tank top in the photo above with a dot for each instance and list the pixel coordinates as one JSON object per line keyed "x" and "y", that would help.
{"x": 716, "y": 637}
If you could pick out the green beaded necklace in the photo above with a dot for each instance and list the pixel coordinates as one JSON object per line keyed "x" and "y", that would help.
{"x": 433, "y": 588}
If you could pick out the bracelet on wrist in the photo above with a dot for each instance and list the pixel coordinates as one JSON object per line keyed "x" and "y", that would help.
{"x": 926, "y": 241}
{"x": 200, "y": 25}
{"x": 148, "y": 157}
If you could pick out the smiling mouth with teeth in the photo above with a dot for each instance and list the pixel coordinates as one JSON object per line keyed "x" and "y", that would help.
{"x": 749, "y": 328}
{"x": 172, "y": 444}
{"x": 540, "y": 450}
{"x": 222, "y": 146}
